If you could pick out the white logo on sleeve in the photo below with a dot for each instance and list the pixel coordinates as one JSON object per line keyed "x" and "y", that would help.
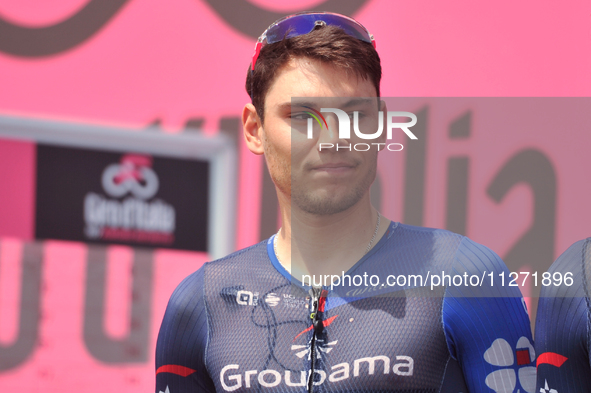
{"x": 501, "y": 354}
{"x": 546, "y": 389}
{"x": 166, "y": 391}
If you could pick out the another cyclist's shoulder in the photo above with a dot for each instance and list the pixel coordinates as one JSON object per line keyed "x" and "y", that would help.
{"x": 570, "y": 275}
{"x": 573, "y": 258}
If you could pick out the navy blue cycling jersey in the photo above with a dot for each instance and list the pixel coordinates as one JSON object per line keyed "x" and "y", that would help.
{"x": 563, "y": 324}
{"x": 243, "y": 324}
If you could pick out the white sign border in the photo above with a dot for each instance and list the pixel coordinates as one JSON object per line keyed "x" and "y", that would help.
{"x": 219, "y": 150}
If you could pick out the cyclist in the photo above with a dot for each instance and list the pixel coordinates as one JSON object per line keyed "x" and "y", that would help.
{"x": 250, "y": 322}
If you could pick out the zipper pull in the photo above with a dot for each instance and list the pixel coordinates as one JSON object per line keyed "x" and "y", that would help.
{"x": 317, "y": 314}
{"x": 315, "y": 294}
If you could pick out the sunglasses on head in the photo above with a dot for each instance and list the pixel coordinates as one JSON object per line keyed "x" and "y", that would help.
{"x": 303, "y": 23}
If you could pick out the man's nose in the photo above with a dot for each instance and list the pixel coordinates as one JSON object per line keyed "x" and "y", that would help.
{"x": 330, "y": 135}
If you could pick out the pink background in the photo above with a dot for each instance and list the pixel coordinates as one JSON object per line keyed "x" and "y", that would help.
{"x": 176, "y": 60}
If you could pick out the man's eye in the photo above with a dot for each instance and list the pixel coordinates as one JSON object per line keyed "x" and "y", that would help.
{"x": 360, "y": 115}
{"x": 301, "y": 116}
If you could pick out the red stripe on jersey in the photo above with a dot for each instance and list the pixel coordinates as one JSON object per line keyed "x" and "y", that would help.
{"x": 175, "y": 369}
{"x": 552, "y": 358}
{"x": 324, "y": 323}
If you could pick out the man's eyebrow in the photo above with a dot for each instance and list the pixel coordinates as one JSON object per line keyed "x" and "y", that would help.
{"x": 286, "y": 106}
{"x": 306, "y": 104}
{"x": 358, "y": 101}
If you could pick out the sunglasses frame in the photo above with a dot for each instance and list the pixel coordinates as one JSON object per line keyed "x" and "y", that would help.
{"x": 287, "y": 27}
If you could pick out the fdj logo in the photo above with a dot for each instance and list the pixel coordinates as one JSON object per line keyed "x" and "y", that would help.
{"x": 345, "y": 129}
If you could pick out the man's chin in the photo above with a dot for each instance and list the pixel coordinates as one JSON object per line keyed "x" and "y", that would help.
{"x": 321, "y": 204}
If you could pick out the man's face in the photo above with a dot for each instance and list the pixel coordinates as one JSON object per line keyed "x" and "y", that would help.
{"x": 318, "y": 182}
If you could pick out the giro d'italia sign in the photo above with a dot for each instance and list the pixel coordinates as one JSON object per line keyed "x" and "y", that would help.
{"x": 106, "y": 185}
{"x": 107, "y": 197}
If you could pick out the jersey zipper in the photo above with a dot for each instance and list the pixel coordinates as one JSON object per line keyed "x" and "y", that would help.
{"x": 313, "y": 360}
{"x": 319, "y": 299}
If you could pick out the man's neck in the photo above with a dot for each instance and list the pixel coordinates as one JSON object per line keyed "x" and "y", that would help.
{"x": 327, "y": 244}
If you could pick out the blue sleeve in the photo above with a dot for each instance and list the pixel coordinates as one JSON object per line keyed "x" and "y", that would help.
{"x": 182, "y": 341}
{"x": 562, "y": 325}
{"x": 487, "y": 327}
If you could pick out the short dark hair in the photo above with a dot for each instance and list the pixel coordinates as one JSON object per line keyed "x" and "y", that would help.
{"x": 328, "y": 44}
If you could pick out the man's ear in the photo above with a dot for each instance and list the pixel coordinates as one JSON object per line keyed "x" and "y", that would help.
{"x": 384, "y": 109}
{"x": 253, "y": 129}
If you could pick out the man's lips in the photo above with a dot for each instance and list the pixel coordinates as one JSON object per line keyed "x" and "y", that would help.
{"x": 334, "y": 167}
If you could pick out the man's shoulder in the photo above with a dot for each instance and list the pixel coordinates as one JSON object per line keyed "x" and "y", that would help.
{"x": 451, "y": 246}
{"x": 419, "y": 230}
{"x": 252, "y": 255}
{"x": 440, "y": 236}
{"x": 232, "y": 264}
{"x": 438, "y": 239}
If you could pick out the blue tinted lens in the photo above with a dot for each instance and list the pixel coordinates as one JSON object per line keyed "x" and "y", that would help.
{"x": 304, "y": 23}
